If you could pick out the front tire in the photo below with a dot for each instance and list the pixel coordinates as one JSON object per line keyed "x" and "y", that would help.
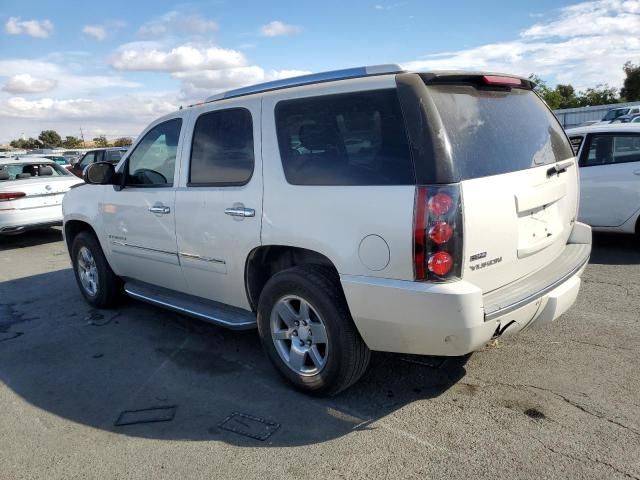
{"x": 98, "y": 284}
{"x": 308, "y": 333}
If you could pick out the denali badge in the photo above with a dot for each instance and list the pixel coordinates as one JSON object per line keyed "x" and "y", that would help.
{"x": 488, "y": 263}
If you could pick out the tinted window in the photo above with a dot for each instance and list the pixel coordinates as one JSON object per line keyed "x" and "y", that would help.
{"x": 347, "y": 139}
{"x": 613, "y": 114}
{"x": 154, "y": 159}
{"x": 222, "y": 149}
{"x": 495, "y": 132}
{"x": 605, "y": 149}
{"x": 87, "y": 159}
{"x": 113, "y": 156}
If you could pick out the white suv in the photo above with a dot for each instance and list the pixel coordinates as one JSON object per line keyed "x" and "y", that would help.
{"x": 343, "y": 212}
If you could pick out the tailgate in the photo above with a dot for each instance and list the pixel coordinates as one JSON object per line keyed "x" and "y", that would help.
{"x": 516, "y": 223}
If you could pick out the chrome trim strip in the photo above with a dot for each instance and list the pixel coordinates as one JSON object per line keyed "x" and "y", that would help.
{"x": 534, "y": 296}
{"x": 122, "y": 244}
{"x": 200, "y": 257}
{"x": 186, "y": 311}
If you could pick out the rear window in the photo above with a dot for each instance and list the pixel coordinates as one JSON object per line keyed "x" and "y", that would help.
{"x": 24, "y": 171}
{"x": 113, "y": 156}
{"x": 346, "y": 139}
{"x": 496, "y": 132}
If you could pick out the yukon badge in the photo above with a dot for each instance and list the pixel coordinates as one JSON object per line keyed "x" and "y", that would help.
{"x": 488, "y": 263}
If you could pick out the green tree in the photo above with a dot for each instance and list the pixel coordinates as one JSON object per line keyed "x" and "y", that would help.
{"x": 101, "y": 141}
{"x": 567, "y": 96}
{"x": 122, "y": 142}
{"x": 26, "y": 144}
{"x": 601, "y": 94}
{"x": 631, "y": 89}
{"x": 50, "y": 138}
{"x": 71, "y": 142}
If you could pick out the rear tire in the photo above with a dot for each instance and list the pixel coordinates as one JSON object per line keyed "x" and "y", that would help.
{"x": 98, "y": 284}
{"x": 323, "y": 352}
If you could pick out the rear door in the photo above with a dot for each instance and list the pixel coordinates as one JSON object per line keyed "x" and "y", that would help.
{"x": 610, "y": 178}
{"x": 139, "y": 219}
{"x": 518, "y": 178}
{"x": 219, "y": 202}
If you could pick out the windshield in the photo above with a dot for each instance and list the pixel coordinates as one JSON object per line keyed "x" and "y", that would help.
{"x": 494, "y": 132}
{"x": 613, "y": 114}
{"x": 28, "y": 170}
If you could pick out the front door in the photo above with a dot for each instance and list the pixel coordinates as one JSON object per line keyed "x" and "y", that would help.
{"x": 139, "y": 219}
{"x": 219, "y": 202}
{"x": 610, "y": 179}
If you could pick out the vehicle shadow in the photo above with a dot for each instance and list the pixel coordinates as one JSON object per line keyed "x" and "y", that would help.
{"x": 615, "y": 249}
{"x": 30, "y": 238}
{"x": 89, "y": 366}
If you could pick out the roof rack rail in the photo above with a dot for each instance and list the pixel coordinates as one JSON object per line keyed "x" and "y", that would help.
{"x": 307, "y": 80}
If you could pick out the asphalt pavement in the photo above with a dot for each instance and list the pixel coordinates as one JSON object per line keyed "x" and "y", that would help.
{"x": 139, "y": 392}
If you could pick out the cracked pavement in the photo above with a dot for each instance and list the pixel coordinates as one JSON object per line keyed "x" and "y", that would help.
{"x": 559, "y": 402}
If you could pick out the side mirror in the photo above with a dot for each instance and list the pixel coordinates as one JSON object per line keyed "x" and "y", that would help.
{"x": 99, "y": 173}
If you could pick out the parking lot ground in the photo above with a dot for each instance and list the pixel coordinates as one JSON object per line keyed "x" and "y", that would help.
{"x": 559, "y": 402}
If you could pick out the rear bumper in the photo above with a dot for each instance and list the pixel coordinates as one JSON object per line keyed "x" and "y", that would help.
{"x": 17, "y": 221}
{"x": 456, "y": 318}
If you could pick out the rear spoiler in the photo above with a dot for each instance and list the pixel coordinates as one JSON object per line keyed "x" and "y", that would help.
{"x": 496, "y": 80}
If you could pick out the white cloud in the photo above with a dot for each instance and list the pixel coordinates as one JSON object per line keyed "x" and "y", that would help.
{"x": 33, "y": 28}
{"x": 585, "y": 45}
{"x": 64, "y": 81}
{"x": 150, "y": 56}
{"x": 114, "y": 116}
{"x": 278, "y": 28}
{"x": 25, "y": 83}
{"x": 197, "y": 85}
{"x": 173, "y": 23}
{"x": 96, "y": 31}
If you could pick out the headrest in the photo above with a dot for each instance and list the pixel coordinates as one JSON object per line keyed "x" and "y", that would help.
{"x": 30, "y": 169}
{"x": 45, "y": 171}
{"x": 4, "y": 175}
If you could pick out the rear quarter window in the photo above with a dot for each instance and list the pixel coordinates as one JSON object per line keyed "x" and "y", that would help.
{"x": 345, "y": 139}
{"x": 495, "y": 132}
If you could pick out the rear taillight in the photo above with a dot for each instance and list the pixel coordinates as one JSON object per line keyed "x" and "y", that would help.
{"x": 6, "y": 196}
{"x": 437, "y": 233}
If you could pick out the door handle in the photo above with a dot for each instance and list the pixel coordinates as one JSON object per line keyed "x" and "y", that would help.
{"x": 240, "y": 212}
{"x": 159, "y": 209}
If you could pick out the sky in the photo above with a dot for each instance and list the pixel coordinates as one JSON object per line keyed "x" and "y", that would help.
{"x": 111, "y": 67}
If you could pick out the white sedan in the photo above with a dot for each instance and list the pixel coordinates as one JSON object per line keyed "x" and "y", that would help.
{"x": 609, "y": 159}
{"x": 31, "y": 191}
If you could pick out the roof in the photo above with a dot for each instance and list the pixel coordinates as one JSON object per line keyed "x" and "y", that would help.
{"x": 25, "y": 159}
{"x": 607, "y": 128}
{"x": 349, "y": 73}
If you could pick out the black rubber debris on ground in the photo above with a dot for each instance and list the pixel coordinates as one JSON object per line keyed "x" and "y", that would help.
{"x": 534, "y": 413}
{"x": 249, "y": 426}
{"x": 146, "y": 415}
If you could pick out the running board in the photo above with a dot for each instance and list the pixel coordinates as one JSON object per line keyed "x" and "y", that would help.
{"x": 207, "y": 310}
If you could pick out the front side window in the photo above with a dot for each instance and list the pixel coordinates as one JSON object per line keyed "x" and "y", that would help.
{"x": 345, "y": 139}
{"x": 222, "y": 148}
{"x": 605, "y": 149}
{"x": 153, "y": 161}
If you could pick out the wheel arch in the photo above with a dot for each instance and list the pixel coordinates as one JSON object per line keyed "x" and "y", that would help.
{"x": 266, "y": 260}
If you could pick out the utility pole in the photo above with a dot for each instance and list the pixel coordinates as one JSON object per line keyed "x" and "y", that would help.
{"x": 82, "y": 135}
